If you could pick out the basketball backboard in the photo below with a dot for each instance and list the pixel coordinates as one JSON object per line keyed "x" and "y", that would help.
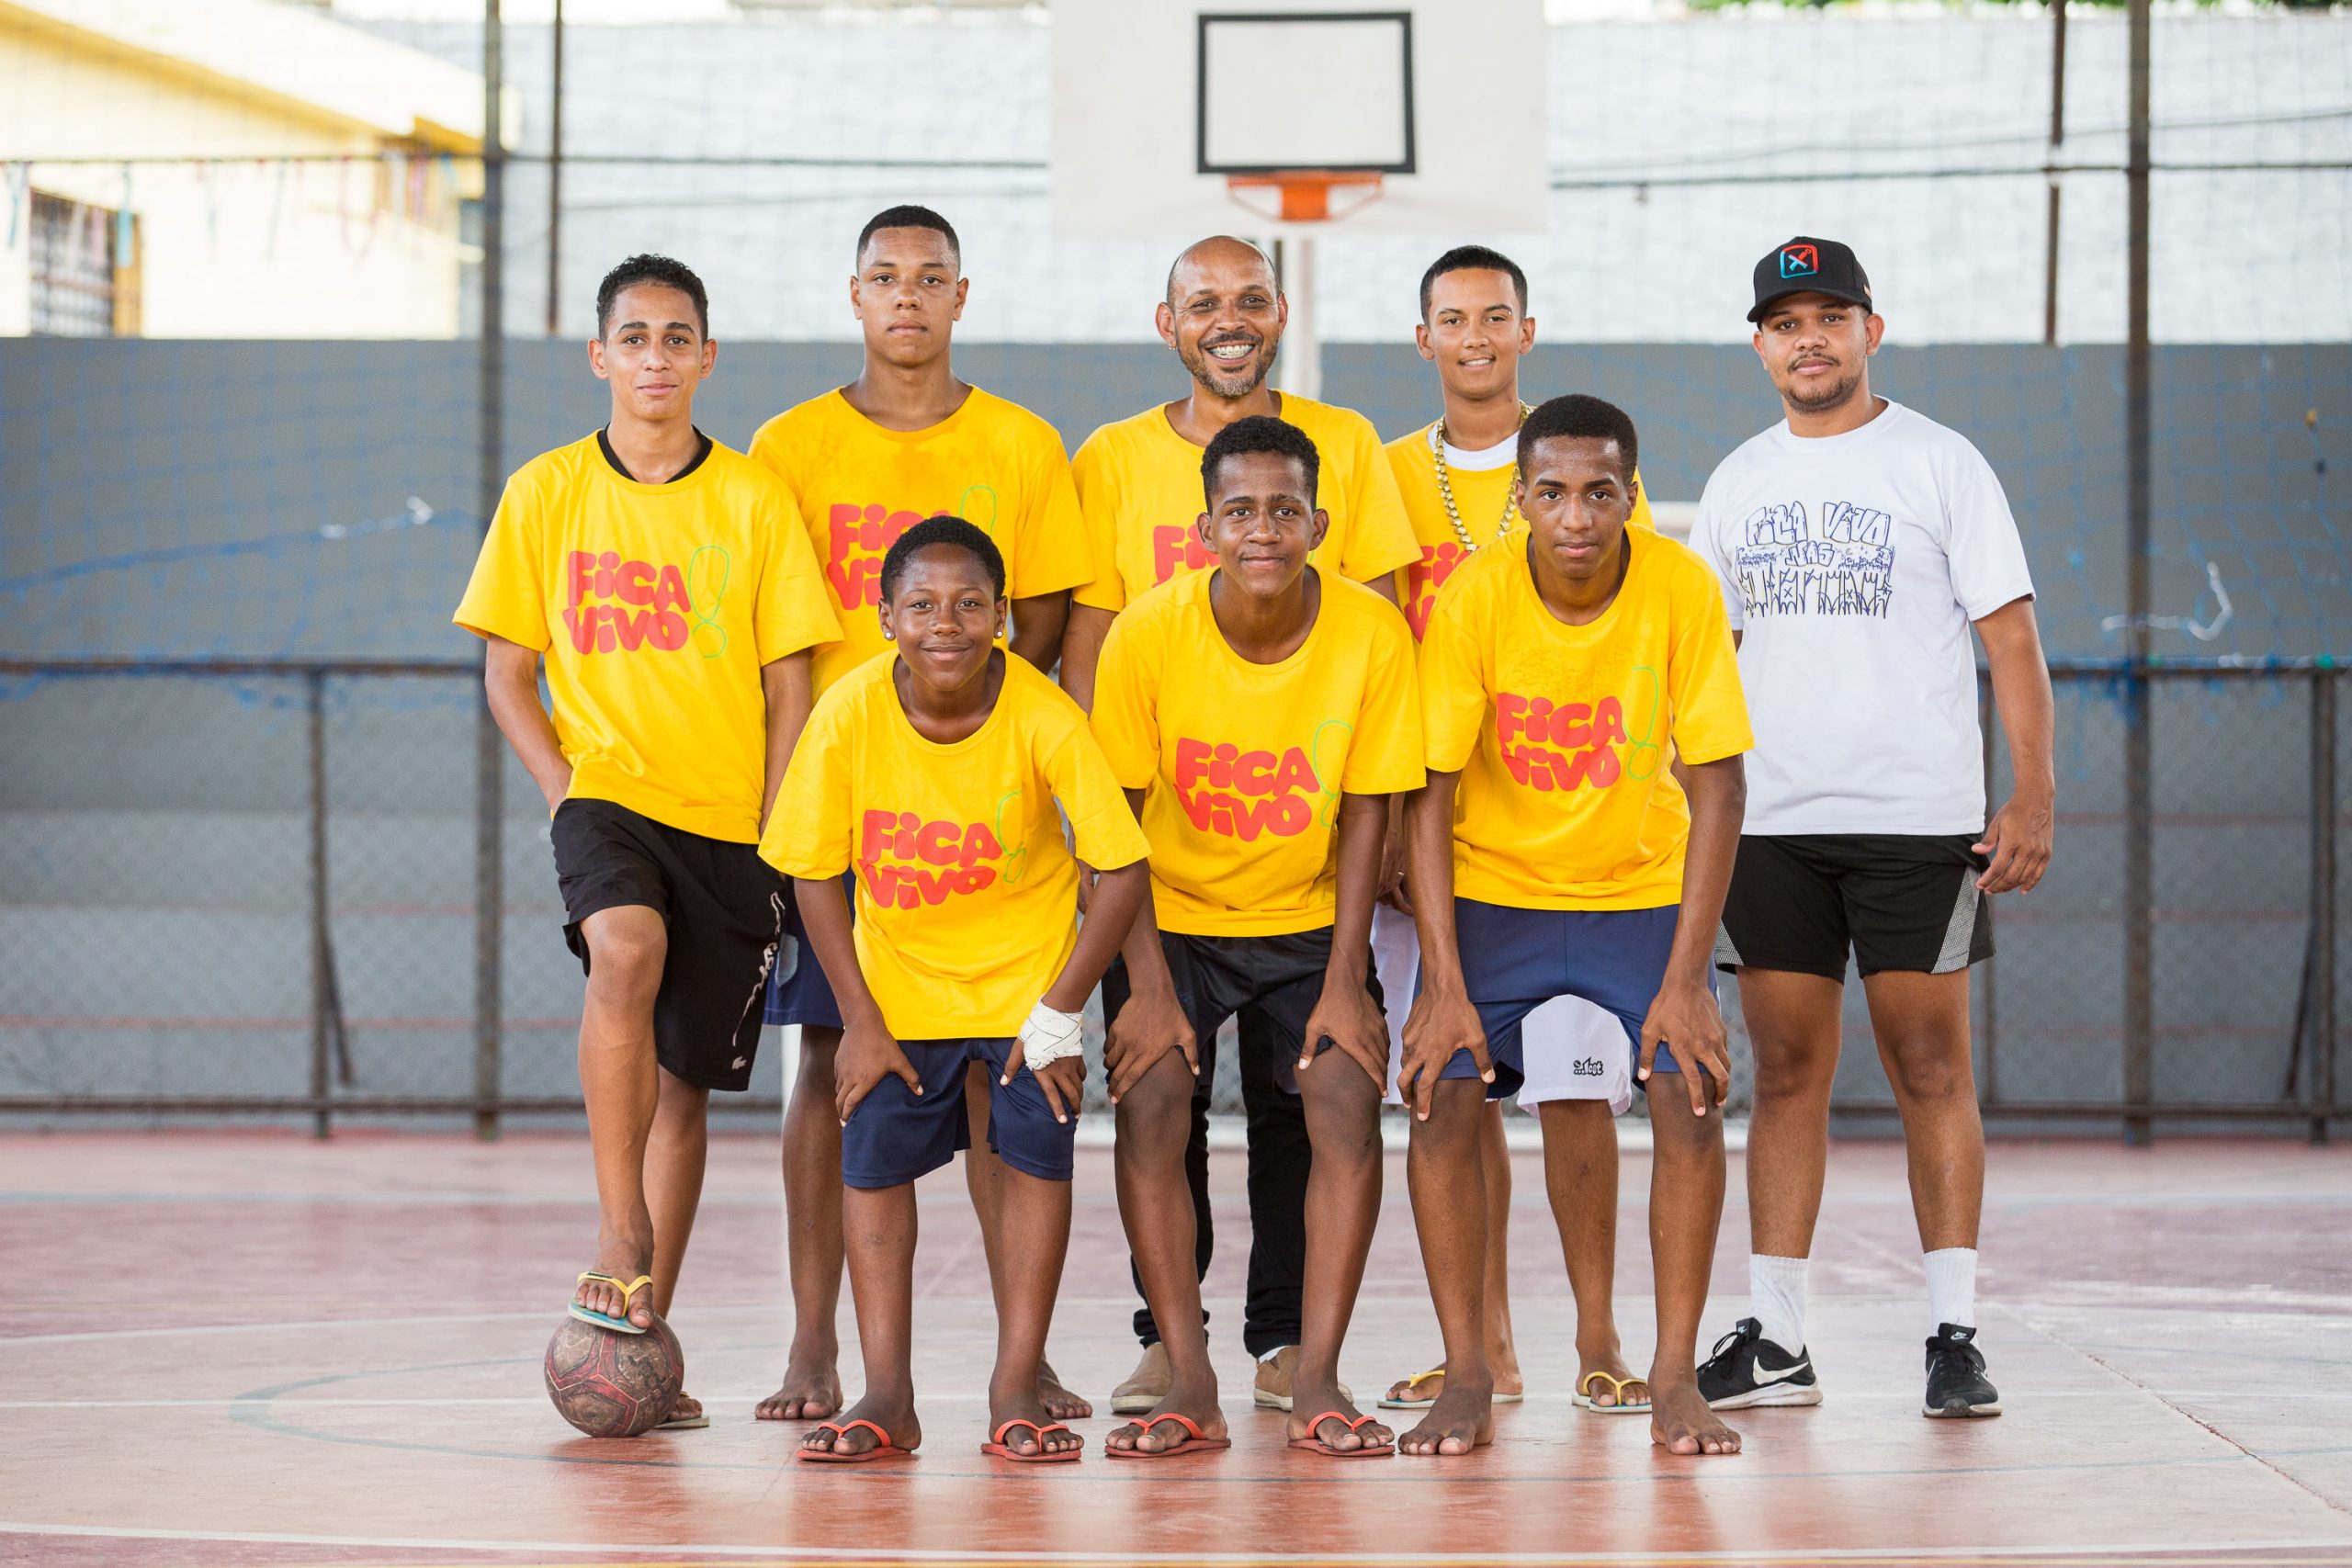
{"x": 1174, "y": 120}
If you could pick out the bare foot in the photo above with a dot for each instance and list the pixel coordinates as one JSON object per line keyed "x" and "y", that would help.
{"x": 1152, "y": 1434}
{"x": 1680, "y": 1422}
{"x": 1023, "y": 1437}
{"x": 811, "y": 1391}
{"x": 1312, "y": 1408}
{"x": 623, "y": 1261}
{"x": 1059, "y": 1402}
{"x": 1461, "y": 1419}
{"x": 896, "y": 1416}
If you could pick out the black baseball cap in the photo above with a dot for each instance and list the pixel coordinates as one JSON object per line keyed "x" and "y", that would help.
{"x": 1807, "y": 266}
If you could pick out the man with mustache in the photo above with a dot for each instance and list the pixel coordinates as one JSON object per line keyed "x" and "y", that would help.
{"x": 1858, "y": 542}
{"x": 1138, "y": 487}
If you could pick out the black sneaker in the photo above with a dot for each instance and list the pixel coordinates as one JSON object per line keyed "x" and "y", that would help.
{"x": 1747, "y": 1369}
{"x": 1957, "y": 1387}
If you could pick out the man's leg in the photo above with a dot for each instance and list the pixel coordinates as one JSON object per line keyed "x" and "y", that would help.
{"x": 1921, "y": 1022}
{"x": 1793, "y": 1028}
{"x": 676, "y": 1156}
{"x": 627, "y": 946}
{"x": 878, "y": 1225}
{"x": 1580, "y": 1178}
{"x": 1685, "y": 1209}
{"x": 1156, "y": 1205}
{"x": 1282, "y": 1156}
{"x": 813, "y": 1217}
{"x": 1442, "y": 1169}
{"x": 1034, "y": 1235}
{"x": 1502, "y": 1349}
{"x": 984, "y": 1176}
{"x": 1341, "y": 1106}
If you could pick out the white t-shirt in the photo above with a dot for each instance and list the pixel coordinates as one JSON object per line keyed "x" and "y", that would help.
{"x": 1853, "y": 565}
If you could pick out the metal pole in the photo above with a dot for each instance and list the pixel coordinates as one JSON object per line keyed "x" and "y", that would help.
{"x": 489, "y": 756}
{"x": 556, "y": 175}
{"x": 1300, "y": 370}
{"x": 2323, "y": 1022}
{"x": 2049, "y": 263}
{"x": 315, "y": 702}
{"x": 2139, "y": 836}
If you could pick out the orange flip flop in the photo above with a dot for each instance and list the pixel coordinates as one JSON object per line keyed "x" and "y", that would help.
{"x": 995, "y": 1446}
{"x": 1195, "y": 1440}
{"x": 1314, "y": 1444}
{"x": 886, "y": 1448}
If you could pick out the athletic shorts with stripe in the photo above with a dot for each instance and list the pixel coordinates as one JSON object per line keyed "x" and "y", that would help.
{"x": 1801, "y": 901}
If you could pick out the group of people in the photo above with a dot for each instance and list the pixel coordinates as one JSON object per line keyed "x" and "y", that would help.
{"x": 1435, "y": 767}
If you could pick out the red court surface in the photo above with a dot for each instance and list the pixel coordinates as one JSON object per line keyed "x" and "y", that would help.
{"x": 254, "y": 1348}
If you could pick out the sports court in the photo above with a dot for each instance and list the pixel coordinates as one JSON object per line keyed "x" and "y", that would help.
{"x": 295, "y": 1159}
{"x": 373, "y": 1320}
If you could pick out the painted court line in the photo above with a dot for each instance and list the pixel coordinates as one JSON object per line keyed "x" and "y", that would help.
{"x": 1953, "y": 1556}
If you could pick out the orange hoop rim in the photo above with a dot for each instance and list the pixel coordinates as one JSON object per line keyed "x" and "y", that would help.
{"x": 1305, "y": 193}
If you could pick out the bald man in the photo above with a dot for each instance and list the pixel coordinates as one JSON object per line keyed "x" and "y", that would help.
{"x": 1139, "y": 491}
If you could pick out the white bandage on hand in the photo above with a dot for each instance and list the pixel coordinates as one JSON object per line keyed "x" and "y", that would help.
{"x": 1049, "y": 1035}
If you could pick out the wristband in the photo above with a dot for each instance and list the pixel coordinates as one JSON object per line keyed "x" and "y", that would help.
{"x": 1049, "y": 1035}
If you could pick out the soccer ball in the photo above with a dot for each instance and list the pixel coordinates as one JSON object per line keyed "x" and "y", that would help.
{"x": 614, "y": 1385}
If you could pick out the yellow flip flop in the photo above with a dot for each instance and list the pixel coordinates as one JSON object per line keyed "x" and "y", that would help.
{"x": 620, "y": 1325}
{"x": 1411, "y": 1403}
{"x": 1617, "y": 1387}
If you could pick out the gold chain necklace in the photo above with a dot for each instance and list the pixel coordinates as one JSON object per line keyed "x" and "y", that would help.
{"x": 1445, "y": 489}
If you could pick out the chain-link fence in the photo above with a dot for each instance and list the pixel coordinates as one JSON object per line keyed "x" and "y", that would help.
{"x": 255, "y": 889}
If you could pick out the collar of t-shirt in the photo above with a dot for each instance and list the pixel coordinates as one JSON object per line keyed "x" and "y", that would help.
{"x": 1501, "y": 455}
{"x": 604, "y": 445}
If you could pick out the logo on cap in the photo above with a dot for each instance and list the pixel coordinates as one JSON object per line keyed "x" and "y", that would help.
{"x": 1799, "y": 260}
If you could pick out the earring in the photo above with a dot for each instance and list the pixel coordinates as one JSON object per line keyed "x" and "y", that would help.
{"x": 889, "y": 636}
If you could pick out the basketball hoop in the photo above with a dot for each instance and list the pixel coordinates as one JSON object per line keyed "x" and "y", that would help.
{"x": 1304, "y": 195}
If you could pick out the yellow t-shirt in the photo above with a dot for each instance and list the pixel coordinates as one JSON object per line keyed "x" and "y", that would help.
{"x": 1563, "y": 734}
{"x": 967, "y": 894}
{"x": 1139, "y": 486}
{"x": 1245, "y": 763}
{"x": 655, "y": 607}
{"x": 991, "y": 462}
{"x": 1480, "y": 494}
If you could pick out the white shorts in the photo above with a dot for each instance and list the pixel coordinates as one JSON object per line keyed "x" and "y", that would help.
{"x": 1562, "y": 1042}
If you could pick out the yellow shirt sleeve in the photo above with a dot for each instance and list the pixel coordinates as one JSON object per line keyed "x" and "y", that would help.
{"x": 1126, "y": 701}
{"x": 1098, "y": 505}
{"x": 1454, "y": 690}
{"x": 808, "y": 832}
{"x": 1387, "y": 757}
{"x": 505, "y": 598}
{"x": 1702, "y": 674}
{"x": 1053, "y": 552}
{"x": 1380, "y": 535}
{"x": 794, "y": 610}
{"x": 1104, "y": 831}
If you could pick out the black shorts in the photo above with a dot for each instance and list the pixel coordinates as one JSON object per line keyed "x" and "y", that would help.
{"x": 1280, "y": 977}
{"x": 1799, "y": 901}
{"x": 725, "y": 910}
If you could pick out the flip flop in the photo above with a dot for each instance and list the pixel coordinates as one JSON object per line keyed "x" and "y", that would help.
{"x": 886, "y": 1448}
{"x": 996, "y": 1448}
{"x": 1415, "y": 1381}
{"x": 694, "y": 1423}
{"x": 1314, "y": 1444}
{"x": 1584, "y": 1400}
{"x": 1419, "y": 1378}
{"x": 1195, "y": 1440}
{"x": 620, "y": 1325}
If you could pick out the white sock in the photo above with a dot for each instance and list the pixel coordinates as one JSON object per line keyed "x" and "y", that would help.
{"x": 1952, "y": 1288}
{"x": 1776, "y": 1298}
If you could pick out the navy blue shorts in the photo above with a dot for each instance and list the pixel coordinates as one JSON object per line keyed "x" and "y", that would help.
{"x": 798, "y": 992}
{"x": 1513, "y": 961}
{"x": 894, "y": 1136}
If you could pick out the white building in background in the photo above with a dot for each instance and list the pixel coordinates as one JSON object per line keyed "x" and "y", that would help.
{"x": 234, "y": 168}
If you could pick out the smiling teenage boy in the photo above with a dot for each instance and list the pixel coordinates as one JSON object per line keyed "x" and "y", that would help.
{"x": 942, "y": 773}
{"x": 1554, "y": 854}
{"x": 907, "y": 439}
{"x": 669, "y": 586}
{"x": 1259, "y": 715}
